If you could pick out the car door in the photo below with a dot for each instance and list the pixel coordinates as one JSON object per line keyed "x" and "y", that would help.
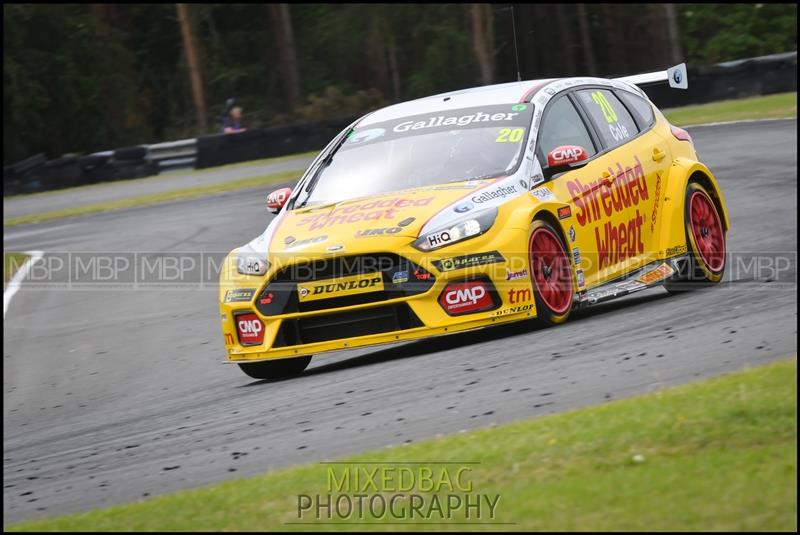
{"x": 637, "y": 161}
{"x": 564, "y": 124}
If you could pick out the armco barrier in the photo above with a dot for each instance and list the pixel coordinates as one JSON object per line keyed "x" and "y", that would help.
{"x": 763, "y": 75}
{"x": 222, "y": 149}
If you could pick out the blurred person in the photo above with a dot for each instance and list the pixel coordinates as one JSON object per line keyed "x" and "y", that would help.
{"x": 231, "y": 124}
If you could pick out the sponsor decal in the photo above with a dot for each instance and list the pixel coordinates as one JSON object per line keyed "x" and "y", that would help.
{"x": 463, "y": 207}
{"x": 400, "y": 277}
{"x": 619, "y": 242}
{"x": 465, "y": 298}
{"x": 598, "y": 295}
{"x": 439, "y": 238}
{"x": 631, "y": 286}
{"x": 339, "y": 287}
{"x": 498, "y": 193}
{"x": 267, "y": 299}
{"x": 519, "y": 296}
{"x": 543, "y": 194}
{"x": 603, "y": 197}
{"x": 367, "y": 211}
{"x": 240, "y": 295}
{"x": 566, "y": 154}
{"x": 377, "y": 232}
{"x": 250, "y": 328}
{"x": 580, "y": 278}
{"x": 660, "y": 273}
{"x": 576, "y": 255}
{"x": 571, "y": 233}
{"x": 519, "y": 107}
{"x": 460, "y": 120}
{"x": 513, "y": 310}
{"x": 673, "y": 251}
{"x": 277, "y": 199}
{"x": 654, "y": 215}
{"x": 460, "y": 262}
{"x": 292, "y": 243}
{"x": 538, "y": 178}
{"x": 422, "y": 275}
{"x": 365, "y": 135}
{"x": 564, "y": 212}
{"x": 516, "y": 275}
{"x": 228, "y": 339}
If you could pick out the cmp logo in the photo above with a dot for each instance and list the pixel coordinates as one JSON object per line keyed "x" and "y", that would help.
{"x": 250, "y": 328}
{"x": 465, "y": 298}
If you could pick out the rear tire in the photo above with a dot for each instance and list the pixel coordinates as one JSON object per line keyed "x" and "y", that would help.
{"x": 275, "y": 369}
{"x": 705, "y": 243}
{"x": 551, "y": 274}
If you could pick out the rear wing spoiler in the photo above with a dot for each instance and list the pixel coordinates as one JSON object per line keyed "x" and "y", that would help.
{"x": 675, "y": 76}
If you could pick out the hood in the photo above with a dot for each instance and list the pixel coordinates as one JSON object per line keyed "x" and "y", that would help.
{"x": 357, "y": 224}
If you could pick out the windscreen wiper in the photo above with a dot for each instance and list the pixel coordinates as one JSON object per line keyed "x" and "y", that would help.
{"x": 324, "y": 163}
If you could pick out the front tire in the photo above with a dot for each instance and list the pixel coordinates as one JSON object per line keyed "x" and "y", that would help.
{"x": 705, "y": 241}
{"x": 551, "y": 274}
{"x": 275, "y": 369}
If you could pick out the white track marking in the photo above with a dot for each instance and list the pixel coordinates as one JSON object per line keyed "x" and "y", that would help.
{"x": 15, "y": 235}
{"x": 741, "y": 121}
{"x": 19, "y": 276}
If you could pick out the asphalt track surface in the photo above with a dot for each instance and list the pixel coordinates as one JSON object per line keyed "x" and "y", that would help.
{"x": 110, "y": 396}
{"x": 99, "y": 193}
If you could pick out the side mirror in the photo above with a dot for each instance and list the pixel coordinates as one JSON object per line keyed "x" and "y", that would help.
{"x": 277, "y": 199}
{"x": 565, "y": 158}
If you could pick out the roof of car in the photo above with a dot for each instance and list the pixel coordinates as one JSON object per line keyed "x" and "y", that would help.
{"x": 463, "y": 98}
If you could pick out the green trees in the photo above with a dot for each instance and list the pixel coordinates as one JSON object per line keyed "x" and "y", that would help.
{"x": 82, "y": 78}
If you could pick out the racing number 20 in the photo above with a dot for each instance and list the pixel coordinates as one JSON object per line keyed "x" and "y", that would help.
{"x": 507, "y": 135}
{"x": 605, "y": 106}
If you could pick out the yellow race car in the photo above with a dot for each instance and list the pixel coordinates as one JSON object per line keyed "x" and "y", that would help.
{"x": 470, "y": 209}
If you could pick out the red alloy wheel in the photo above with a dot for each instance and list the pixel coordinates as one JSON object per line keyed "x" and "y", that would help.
{"x": 551, "y": 270}
{"x": 707, "y": 231}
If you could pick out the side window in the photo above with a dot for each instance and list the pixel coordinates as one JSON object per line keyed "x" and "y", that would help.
{"x": 642, "y": 109}
{"x": 563, "y": 126}
{"x": 614, "y": 124}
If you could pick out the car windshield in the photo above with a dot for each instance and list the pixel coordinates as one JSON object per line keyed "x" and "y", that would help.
{"x": 424, "y": 150}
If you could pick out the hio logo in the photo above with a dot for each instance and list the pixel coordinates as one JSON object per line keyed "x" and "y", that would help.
{"x": 465, "y": 298}
{"x": 250, "y": 328}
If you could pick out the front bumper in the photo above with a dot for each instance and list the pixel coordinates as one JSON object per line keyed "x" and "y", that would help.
{"x": 292, "y": 331}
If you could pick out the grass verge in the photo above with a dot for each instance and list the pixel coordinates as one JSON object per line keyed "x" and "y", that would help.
{"x": 768, "y": 107}
{"x": 719, "y": 454}
{"x": 11, "y": 264}
{"x": 141, "y": 200}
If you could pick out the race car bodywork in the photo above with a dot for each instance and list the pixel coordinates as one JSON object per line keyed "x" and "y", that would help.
{"x": 595, "y": 196}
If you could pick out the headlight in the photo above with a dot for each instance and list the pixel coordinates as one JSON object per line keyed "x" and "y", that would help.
{"x": 251, "y": 263}
{"x": 461, "y": 230}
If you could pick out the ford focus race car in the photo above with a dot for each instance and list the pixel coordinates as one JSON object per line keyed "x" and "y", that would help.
{"x": 470, "y": 209}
